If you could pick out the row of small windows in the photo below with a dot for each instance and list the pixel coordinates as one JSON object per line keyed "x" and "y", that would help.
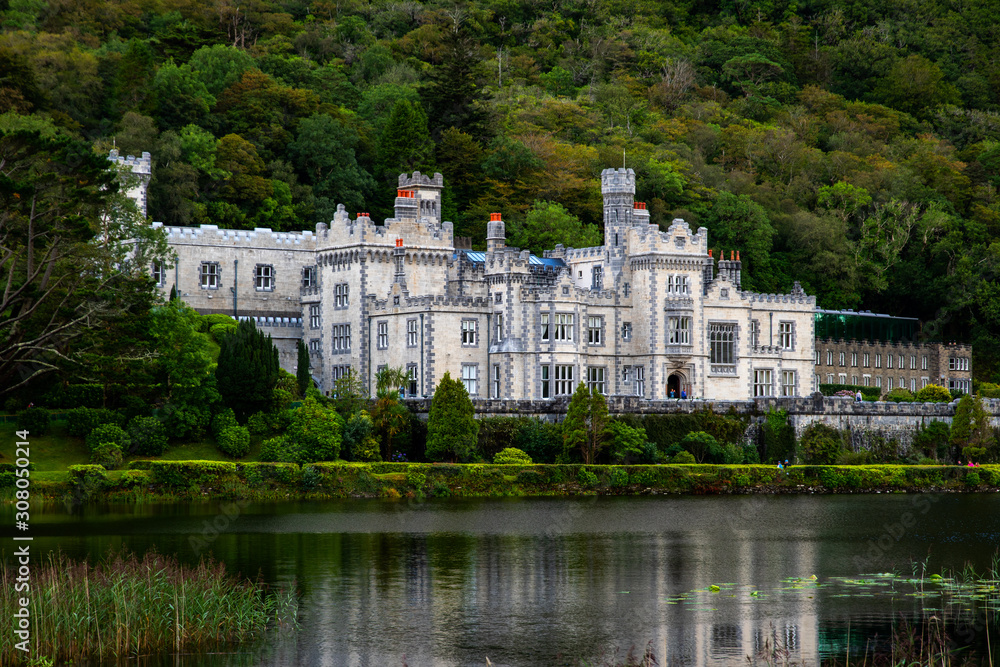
{"x": 763, "y": 384}
{"x": 210, "y": 276}
{"x": 866, "y": 358}
{"x": 958, "y": 364}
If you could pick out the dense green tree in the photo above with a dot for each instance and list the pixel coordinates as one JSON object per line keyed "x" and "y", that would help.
{"x": 547, "y": 224}
{"x": 219, "y": 66}
{"x": 736, "y": 222}
{"x": 315, "y": 433}
{"x": 181, "y": 97}
{"x": 971, "y": 431}
{"x": 586, "y": 424}
{"x": 247, "y": 370}
{"x": 302, "y": 375}
{"x": 388, "y": 414}
{"x": 821, "y": 444}
{"x": 451, "y": 426}
{"x": 324, "y": 152}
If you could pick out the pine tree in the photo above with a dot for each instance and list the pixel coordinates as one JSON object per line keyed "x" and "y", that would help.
{"x": 451, "y": 426}
{"x": 302, "y": 371}
{"x": 248, "y": 370}
{"x": 586, "y": 424}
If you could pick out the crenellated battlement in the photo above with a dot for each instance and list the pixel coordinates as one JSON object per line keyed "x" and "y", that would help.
{"x": 260, "y": 237}
{"x": 618, "y": 181}
{"x": 142, "y": 165}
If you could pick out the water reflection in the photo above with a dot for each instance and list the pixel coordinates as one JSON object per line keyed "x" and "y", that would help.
{"x": 542, "y": 581}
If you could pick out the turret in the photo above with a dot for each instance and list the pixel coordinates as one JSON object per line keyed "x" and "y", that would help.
{"x": 618, "y": 189}
{"x": 496, "y": 233}
{"x": 427, "y": 193}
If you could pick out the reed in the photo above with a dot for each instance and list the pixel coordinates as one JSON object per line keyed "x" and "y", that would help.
{"x": 125, "y": 606}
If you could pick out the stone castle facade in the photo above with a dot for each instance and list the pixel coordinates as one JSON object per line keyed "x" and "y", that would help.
{"x": 650, "y": 314}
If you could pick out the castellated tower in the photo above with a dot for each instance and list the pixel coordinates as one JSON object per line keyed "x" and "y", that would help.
{"x": 427, "y": 193}
{"x": 142, "y": 169}
{"x": 618, "y": 189}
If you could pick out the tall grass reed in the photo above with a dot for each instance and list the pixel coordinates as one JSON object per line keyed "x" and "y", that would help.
{"x": 124, "y": 606}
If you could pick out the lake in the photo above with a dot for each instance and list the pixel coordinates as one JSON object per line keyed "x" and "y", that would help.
{"x": 538, "y": 581}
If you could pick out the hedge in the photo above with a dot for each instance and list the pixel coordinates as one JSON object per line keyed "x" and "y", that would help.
{"x": 868, "y": 393}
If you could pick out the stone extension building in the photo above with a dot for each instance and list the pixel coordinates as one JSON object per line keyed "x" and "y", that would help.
{"x": 650, "y": 313}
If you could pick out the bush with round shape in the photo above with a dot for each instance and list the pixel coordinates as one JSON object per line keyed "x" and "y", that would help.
{"x": 108, "y": 434}
{"x": 933, "y": 393}
{"x": 586, "y": 478}
{"x": 619, "y": 477}
{"x": 821, "y": 445}
{"x": 81, "y": 421}
{"x": 275, "y": 450}
{"x": 702, "y": 445}
{"x": 108, "y": 455}
{"x": 258, "y": 424}
{"x": 33, "y": 420}
{"x": 148, "y": 436}
{"x": 222, "y": 421}
{"x": 511, "y": 456}
{"x": 220, "y": 331}
{"x": 683, "y": 457}
{"x": 234, "y": 441}
{"x": 359, "y": 438}
{"x": 900, "y": 395}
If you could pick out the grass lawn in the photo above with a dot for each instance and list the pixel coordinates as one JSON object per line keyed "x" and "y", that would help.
{"x": 56, "y": 451}
{"x": 50, "y": 452}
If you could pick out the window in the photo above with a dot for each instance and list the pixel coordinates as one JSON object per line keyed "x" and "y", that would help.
{"x": 314, "y": 346}
{"x": 762, "y": 383}
{"x": 625, "y": 290}
{"x": 878, "y": 381}
{"x": 470, "y": 374}
{"x": 785, "y": 337}
{"x": 498, "y": 297}
{"x": 594, "y": 326}
{"x": 496, "y": 381}
{"x": 411, "y": 333}
{"x": 338, "y": 372}
{"x": 308, "y": 276}
{"x": 951, "y": 364}
{"x": 640, "y": 384}
{"x": 210, "y": 275}
{"x": 842, "y": 378}
{"x": 499, "y": 326}
{"x": 913, "y": 384}
{"x": 829, "y": 357}
{"x": 340, "y": 295}
{"x": 543, "y": 323}
{"x": 382, "y": 335}
{"x": 787, "y": 383}
{"x": 564, "y": 380}
{"x": 817, "y": 357}
{"x": 878, "y": 363}
{"x": 866, "y": 360}
{"x": 596, "y": 278}
{"x": 564, "y": 327}
{"x": 902, "y": 361}
{"x": 411, "y": 376}
{"x": 755, "y": 333}
{"x": 595, "y": 380}
{"x": 829, "y": 378}
{"x": 341, "y": 338}
{"x": 842, "y": 358}
{"x": 545, "y": 382}
{"x": 677, "y": 284}
{"x": 679, "y": 330}
{"x": 263, "y": 278}
{"x": 913, "y": 362}
{"x": 314, "y": 316}
{"x": 626, "y": 331}
{"x": 625, "y": 374}
{"x": 924, "y": 382}
{"x": 902, "y": 383}
{"x": 159, "y": 274}
{"x": 888, "y": 361}
{"x": 854, "y": 359}
{"x": 923, "y": 362}
{"x": 866, "y": 380}
{"x": 854, "y": 380}
{"x": 468, "y": 332}
{"x": 722, "y": 343}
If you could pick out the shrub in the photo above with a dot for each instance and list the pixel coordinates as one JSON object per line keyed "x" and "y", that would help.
{"x": 87, "y": 478}
{"x": 732, "y": 454}
{"x": 219, "y": 331}
{"x": 185, "y": 422}
{"x": 932, "y": 440}
{"x": 619, "y": 477}
{"x": 311, "y": 477}
{"x": 275, "y": 449}
{"x": 107, "y": 455}
{"x": 868, "y": 393}
{"x": 108, "y": 434}
{"x": 511, "y": 455}
{"x": 988, "y": 390}
{"x": 76, "y": 396}
{"x": 683, "y": 457}
{"x": 586, "y": 478}
{"x": 900, "y": 395}
{"x": 542, "y": 441}
{"x": 33, "y": 420}
{"x": 234, "y": 441}
{"x": 81, "y": 421}
{"x": 222, "y": 421}
{"x": 148, "y": 436}
{"x": 854, "y": 458}
{"x": 359, "y": 438}
{"x": 258, "y": 424}
{"x": 972, "y": 478}
{"x": 496, "y": 433}
{"x": 415, "y": 478}
{"x": 934, "y": 393}
{"x": 133, "y": 406}
{"x": 927, "y": 462}
{"x": 627, "y": 442}
{"x": 702, "y": 446}
{"x": 821, "y": 444}
{"x": 315, "y": 433}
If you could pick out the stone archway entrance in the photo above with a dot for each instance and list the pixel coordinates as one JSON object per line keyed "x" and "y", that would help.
{"x": 674, "y": 384}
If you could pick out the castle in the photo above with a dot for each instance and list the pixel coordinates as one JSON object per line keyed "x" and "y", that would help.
{"x": 651, "y": 314}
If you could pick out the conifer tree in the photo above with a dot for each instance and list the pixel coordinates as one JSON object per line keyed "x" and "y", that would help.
{"x": 451, "y": 426}
{"x": 586, "y": 424}
{"x": 302, "y": 371}
{"x": 247, "y": 370}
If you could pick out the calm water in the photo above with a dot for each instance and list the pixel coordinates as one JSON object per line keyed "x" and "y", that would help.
{"x": 542, "y": 581}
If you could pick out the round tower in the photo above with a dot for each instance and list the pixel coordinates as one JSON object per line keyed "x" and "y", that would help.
{"x": 618, "y": 188}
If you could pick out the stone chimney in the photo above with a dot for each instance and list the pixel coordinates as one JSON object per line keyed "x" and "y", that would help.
{"x": 496, "y": 233}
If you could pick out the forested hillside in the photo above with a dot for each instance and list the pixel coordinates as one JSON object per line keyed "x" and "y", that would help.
{"x": 851, "y": 145}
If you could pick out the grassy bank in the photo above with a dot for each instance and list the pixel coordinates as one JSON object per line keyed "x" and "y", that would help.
{"x": 168, "y": 480}
{"x": 125, "y": 607}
